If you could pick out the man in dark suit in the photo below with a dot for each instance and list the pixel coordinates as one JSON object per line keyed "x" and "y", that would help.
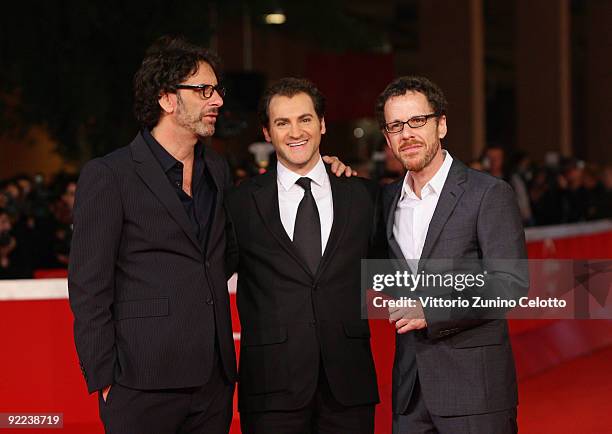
{"x": 305, "y": 360}
{"x": 454, "y": 369}
{"x": 147, "y": 278}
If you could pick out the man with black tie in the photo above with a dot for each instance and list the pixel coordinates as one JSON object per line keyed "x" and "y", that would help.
{"x": 305, "y": 359}
{"x": 147, "y": 280}
{"x": 454, "y": 369}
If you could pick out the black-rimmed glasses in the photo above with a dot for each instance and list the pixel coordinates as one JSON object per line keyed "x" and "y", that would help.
{"x": 413, "y": 122}
{"x": 206, "y": 90}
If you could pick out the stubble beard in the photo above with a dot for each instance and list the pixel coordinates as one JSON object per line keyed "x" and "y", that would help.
{"x": 416, "y": 165}
{"x": 193, "y": 122}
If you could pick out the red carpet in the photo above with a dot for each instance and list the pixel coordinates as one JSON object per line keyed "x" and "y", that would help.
{"x": 573, "y": 398}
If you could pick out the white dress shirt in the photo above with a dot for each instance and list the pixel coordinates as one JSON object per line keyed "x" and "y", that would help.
{"x": 290, "y": 195}
{"x": 413, "y": 215}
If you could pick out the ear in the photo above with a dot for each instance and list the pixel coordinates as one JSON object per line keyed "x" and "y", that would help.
{"x": 322, "y": 125}
{"x": 442, "y": 129}
{"x": 167, "y": 102}
{"x": 266, "y": 134}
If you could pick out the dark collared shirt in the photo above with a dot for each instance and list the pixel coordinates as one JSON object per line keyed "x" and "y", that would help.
{"x": 200, "y": 205}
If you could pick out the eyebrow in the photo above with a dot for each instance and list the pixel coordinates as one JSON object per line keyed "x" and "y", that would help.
{"x": 411, "y": 117}
{"x": 305, "y": 115}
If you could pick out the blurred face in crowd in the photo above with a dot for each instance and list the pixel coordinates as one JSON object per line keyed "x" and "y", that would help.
{"x": 574, "y": 177}
{"x": 68, "y": 196}
{"x": 414, "y": 147}
{"x": 25, "y": 185}
{"x": 295, "y": 131}
{"x": 590, "y": 180}
{"x": 495, "y": 156}
{"x": 192, "y": 111}
{"x": 12, "y": 190}
{"x": 5, "y": 222}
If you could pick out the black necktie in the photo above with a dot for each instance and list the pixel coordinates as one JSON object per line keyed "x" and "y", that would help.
{"x": 307, "y": 229}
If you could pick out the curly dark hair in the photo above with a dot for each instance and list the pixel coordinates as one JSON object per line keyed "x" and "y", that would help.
{"x": 168, "y": 62}
{"x": 401, "y": 85}
{"x": 290, "y": 87}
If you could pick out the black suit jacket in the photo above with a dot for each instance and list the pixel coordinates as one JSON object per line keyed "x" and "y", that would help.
{"x": 463, "y": 358}
{"x": 148, "y": 303}
{"x": 292, "y": 321}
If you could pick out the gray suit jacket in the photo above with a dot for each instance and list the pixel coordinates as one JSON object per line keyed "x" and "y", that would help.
{"x": 463, "y": 359}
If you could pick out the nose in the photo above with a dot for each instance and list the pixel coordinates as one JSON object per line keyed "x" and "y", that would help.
{"x": 215, "y": 99}
{"x": 407, "y": 132}
{"x": 295, "y": 130}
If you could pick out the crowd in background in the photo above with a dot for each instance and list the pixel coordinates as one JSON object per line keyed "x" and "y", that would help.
{"x": 35, "y": 224}
{"x": 562, "y": 190}
{"x": 36, "y": 214}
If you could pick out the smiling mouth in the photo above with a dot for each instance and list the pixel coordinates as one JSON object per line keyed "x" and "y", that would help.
{"x": 297, "y": 144}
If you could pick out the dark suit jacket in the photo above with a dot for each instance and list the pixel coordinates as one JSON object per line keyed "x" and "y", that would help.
{"x": 293, "y": 322}
{"x": 464, "y": 365}
{"x": 147, "y": 301}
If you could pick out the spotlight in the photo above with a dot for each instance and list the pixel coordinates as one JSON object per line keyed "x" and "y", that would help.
{"x": 275, "y": 18}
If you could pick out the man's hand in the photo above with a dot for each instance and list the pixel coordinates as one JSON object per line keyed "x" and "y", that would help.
{"x": 105, "y": 392}
{"x": 407, "y": 318}
{"x": 405, "y": 325}
{"x": 338, "y": 168}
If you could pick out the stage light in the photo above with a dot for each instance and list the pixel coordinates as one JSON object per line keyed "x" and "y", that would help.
{"x": 275, "y": 18}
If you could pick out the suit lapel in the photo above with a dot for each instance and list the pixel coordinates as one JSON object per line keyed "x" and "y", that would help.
{"x": 341, "y": 196}
{"x": 217, "y": 177}
{"x": 149, "y": 170}
{"x": 395, "y": 192}
{"x": 450, "y": 195}
{"x": 266, "y": 201}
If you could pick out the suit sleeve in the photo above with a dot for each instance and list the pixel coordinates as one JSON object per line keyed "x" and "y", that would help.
{"x": 378, "y": 237}
{"x": 98, "y": 219}
{"x": 231, "y": 244}
{"x": 231, "y": 248}
{"x": 501, "y": 240}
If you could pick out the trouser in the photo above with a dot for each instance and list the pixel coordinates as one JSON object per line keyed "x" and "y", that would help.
{"x": 418, "y": 420}
{"x": 322, "y": 415}
{"x": 205, "y": 409}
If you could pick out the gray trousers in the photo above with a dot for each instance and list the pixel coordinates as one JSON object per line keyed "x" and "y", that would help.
{"x": 418, "y": 420}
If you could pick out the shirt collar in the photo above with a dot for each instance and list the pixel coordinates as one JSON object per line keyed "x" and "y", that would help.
{"x": 165, "y": 159}
{"x": 287, "y": 177}
{"x": 435, "y": 184}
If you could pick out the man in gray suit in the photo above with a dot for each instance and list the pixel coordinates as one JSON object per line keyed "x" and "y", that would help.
{"x": 453, "y": 370}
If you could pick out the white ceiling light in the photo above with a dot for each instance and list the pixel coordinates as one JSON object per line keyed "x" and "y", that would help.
{"x": 275, "y": 18}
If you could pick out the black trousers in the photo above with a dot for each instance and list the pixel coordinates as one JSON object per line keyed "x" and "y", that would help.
{"x": 203, "y": 410}
{"x": 418, "y": 420}
{"x": 323, "y": 415}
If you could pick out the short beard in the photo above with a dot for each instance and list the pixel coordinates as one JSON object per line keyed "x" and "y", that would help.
{"x": 192, "y": 123}
{"x": 417, "y": 166}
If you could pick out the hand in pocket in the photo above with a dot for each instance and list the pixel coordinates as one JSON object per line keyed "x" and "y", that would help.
{"x": 105, "y": 392}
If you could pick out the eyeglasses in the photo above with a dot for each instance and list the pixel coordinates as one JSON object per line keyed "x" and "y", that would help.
{"x": 413, "y": 122}
{"x": 206, "y": 90}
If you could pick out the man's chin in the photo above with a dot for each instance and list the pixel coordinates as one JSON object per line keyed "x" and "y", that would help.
{"x": 206, "y": 132}
{"x": 414, "y": 165}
